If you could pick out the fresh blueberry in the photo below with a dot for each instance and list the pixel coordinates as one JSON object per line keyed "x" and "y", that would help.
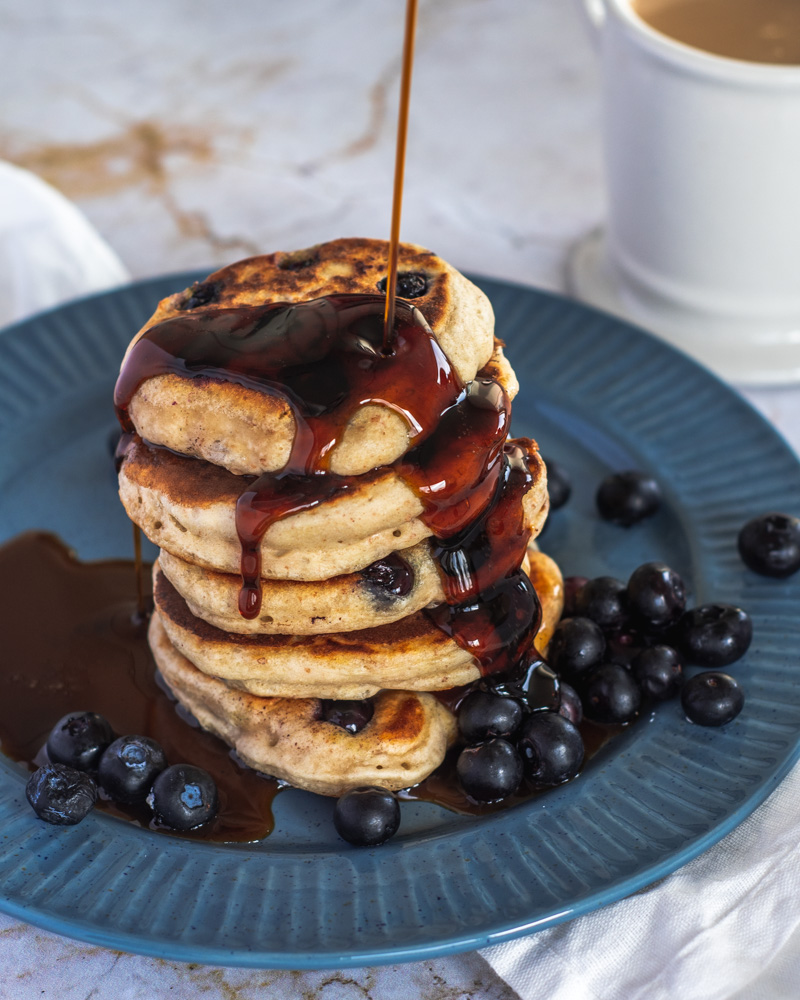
{"x": 572, "y": 584}
{"x": 367, "y": 816}
{"x": 577, "y": 645}
{"x": 770, "y": 545}
{"x": 656, "y": 595}
{"x": 711, "y": 698}
{"x": 714, "y": 635}
{"x": 659, "y": 672}
{"x": 604, "y": 600}
{"x": 623, "y": 646}
{"x": 482, "y": 715}
{"x": 611, "y": 695}
{"x": 559, "y": 483}
{"x": 571, "y": 706}
{"x": 61, "y": 795}
{"x": 350, "y": 715}
{"x": 79, "y": 739}
{"x": 628, "y": 497}
{"x": 490, "y": 772}
{"x": 183, "y": 797}
{"x": 128, "y": 768}
{"x": 410, "y": 284}
{"x": 551, "y": 748}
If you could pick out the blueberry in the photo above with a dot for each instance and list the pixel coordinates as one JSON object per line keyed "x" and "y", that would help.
{"x": 714, "y": 635}
{"x": 623, "y": 646}
{"x": 656, "y": 595}
{"x": 659, "y": 672}
{"x": 770, "y": 545}
{"x": 410, "y": 284}
{"x": 482, "y": 715}
{"x": 350, "y": 715}
{"x": 490, "y": 772}
{"x": 572, "y": 584}
{"x": 611, "y": 695}
{"x": 60, "y": 794}
{"x": 183, "y": 797}
{"x": 128, "y": 768}
{"x": 79, "y": 739}
{"x": 559, "y": 483}
{"x": 711, "y": 698}
{"x": 577, "y": 645}
{"x": 390, "y": 578}
{"x": 604, "y": 600}
{"x": 571, "y": 707}
{"x": 628, "y": 497}
{"x": 202, "y": 294}
{"x": 367, "y": 816}
{"x": 551, "y": 748}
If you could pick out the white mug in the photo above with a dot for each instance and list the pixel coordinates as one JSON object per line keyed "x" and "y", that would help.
{"x": 702, "y": 242}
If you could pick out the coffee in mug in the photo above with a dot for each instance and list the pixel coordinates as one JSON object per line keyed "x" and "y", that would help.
{"x": 764, "y": 31}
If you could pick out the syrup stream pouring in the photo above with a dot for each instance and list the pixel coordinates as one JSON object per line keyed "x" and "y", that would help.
{"x": 399, "y": 170}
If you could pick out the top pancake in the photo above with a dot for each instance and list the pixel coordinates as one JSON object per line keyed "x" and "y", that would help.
{"x": 251, "y": 432}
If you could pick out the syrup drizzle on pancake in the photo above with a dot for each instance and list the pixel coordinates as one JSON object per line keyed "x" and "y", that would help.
{"x": 326, "y": 359}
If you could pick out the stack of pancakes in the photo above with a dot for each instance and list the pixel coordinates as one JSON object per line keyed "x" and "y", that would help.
{"x": 344, "y": 583}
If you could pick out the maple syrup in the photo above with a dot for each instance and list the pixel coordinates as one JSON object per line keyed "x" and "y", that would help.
{"x": 82, "y": 646}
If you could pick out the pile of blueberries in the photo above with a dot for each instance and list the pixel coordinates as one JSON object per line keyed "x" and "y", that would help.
{"x": 620, "y": 647}
{"x": 84, "y": 756}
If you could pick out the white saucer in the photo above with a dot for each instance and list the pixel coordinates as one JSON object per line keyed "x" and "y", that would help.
{"x": 736, "y": 350}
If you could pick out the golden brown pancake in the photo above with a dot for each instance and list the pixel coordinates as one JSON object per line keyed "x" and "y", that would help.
{"x": 404, "y": 741}
{"x": 187, "y": 507}
{"x": 250, "y": 432}
{"x": 411, "y": 654}
{"x": 291, "y": 607}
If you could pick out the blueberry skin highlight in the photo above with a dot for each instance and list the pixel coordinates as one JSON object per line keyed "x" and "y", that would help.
{"x": 490, "y": 772}
{"x": 656, "y": 594}
{"x": 659, "y": 672}
{"x": 714, "y": 635}
{"x": 712, "y": 698}
{"x": 184, "y": 797}
{"x": 61, "y": 795}
{"x": 551, "y": 748}
{"x": 482, "y": 715}
{"x": 79, "y": 739}
{"x": 604, "y": 599}
{"x": 628, "y": 497}
{"x": 128, "y": 768}
{"x": 577, "y": 645}
{"x": 611, "y": 695}
{"x": 770, "y": 545}
{"x": 367, "y": 816}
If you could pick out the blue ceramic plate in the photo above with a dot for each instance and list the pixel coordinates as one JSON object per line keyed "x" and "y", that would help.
{"x": 599, "y": 396}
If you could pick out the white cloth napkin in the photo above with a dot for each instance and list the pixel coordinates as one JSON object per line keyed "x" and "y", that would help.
{"x": 726, "y": 926}
{"x": 48, "y": 250}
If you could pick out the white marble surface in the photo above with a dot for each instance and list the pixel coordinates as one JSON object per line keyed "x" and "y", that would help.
{"x": 192, "y": 133}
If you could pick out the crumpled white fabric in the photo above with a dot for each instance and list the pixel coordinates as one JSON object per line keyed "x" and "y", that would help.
{"x": 726, "y": 926}
{"x": 48, "y": 250}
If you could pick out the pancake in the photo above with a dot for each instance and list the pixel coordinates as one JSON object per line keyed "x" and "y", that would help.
{"x": 251, "y": 432}
{"x": 187, "y": 507}
{"x": 290, "y": 607}
{"x": 404, "y": 741}
{"x": 411, "y": 654}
